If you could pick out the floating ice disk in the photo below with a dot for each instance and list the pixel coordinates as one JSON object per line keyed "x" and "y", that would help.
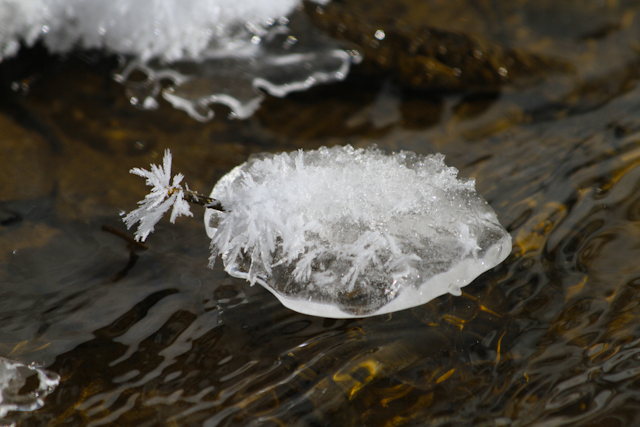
{"x": 13, "y": 377}
{"x": 283, "y": 59}
{"x": 343, "y": 232}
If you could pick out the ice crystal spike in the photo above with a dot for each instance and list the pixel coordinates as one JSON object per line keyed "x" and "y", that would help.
{"x": 164, "y": 195}
{"x": 343, "y": 232}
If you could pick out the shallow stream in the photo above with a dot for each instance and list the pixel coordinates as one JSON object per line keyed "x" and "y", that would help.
{"x": 149, "y": 336}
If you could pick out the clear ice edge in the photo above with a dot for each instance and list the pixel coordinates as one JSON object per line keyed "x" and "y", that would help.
{"x": 462, "y": 275}
{"x": 286, "y": 58}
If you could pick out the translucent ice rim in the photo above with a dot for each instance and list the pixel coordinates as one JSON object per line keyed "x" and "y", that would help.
{"x": 408, "y": 298}
{"x": 290, "y": 56}
{"x": 462, "y": 275}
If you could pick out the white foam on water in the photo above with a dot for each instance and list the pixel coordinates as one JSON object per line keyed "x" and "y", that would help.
{"x": 342, "y": 232}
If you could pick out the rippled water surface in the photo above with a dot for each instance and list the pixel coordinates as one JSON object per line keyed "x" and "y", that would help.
{"x": 149, "y": 336}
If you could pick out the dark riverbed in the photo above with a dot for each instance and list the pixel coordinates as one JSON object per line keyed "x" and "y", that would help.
{"x": 149, "y": 336}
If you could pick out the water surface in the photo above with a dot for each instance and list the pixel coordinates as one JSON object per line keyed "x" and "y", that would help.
{"x": 149, "y": 336}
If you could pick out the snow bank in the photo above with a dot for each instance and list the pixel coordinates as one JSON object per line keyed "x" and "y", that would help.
{"x": 170, "y": 29}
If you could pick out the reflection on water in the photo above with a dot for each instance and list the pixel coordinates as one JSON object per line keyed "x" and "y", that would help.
{"x": 150, "y": 336}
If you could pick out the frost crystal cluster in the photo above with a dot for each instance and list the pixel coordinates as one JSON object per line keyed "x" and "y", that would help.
{"x": 164, "y": 195}
{"x": 343, "y": 232}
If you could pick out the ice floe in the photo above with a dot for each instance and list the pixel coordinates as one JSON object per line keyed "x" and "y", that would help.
{"x": 343, "y": 232}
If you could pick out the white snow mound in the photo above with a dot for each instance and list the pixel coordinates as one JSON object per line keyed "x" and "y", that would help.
{"x": 343, "y": 232}
{"x": 171, "y": 29}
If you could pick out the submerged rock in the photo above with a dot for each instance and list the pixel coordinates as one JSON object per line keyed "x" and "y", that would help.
{"x": 431, "y": 58}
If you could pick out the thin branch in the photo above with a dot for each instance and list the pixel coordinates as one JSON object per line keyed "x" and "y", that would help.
{"x": 198, "y": 199}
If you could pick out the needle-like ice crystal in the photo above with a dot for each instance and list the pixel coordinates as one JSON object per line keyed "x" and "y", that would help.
{"x": 343, "y": 232}
{"x": 164, "y": 195}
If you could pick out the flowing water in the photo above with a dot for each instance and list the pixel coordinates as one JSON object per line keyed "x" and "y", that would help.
{"x": 147, "y": 335}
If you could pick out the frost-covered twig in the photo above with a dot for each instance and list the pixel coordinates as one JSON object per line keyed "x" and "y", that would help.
{"x": 198, "y": 199}
{"x": 164, "y": 195}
